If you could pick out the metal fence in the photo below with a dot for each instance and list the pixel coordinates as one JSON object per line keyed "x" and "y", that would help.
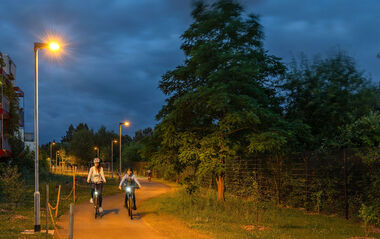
{"x": 333, "y": 182}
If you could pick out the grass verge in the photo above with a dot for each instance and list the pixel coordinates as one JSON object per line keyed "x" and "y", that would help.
{"x": 15, "y": 219}
{"x": 176, "y": 214}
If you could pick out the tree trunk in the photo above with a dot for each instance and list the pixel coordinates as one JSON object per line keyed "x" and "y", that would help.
{"x": 220, "y": 183}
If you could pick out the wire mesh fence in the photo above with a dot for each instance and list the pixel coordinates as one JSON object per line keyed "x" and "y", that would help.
{"x": 334, "y": 182}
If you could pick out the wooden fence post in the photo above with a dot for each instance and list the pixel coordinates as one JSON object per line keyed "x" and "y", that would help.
{"x": 71, "y": 221}
{"x": 47, "y": 211}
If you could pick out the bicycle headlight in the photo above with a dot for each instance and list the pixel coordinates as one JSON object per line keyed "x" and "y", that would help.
{"x": 128, "y": 189}
{"x": 96, "y": 193}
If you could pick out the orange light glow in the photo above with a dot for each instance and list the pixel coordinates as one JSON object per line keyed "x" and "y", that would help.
{"x": 57, "y": 45}
{"x": 54, "y": 46}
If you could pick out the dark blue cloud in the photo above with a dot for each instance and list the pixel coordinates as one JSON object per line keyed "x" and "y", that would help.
{"x": 119, "y": 49}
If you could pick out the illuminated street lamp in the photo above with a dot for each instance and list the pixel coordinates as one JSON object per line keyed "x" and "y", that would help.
{"x": 97, "y": 150}
{"x": 126, "y": 124}
{"x": 53, "y": 46}
{"x": 56, "y": 157}
{"x": 51, "y": 149}
{"x": 112, "y": 142}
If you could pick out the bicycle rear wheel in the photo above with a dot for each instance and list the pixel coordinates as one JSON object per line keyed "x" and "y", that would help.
{"x": 130, "y": 207}
{"x": 96, "y": 206}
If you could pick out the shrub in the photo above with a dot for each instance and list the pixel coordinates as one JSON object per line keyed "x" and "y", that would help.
{"x": 12, "y": 185}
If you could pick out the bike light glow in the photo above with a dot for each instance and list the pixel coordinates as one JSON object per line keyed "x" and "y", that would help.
{"x": 96, "y": 193}
{"x": 128, "y": 189}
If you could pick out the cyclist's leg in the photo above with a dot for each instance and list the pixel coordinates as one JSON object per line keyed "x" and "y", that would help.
{"x": 134, "y": 200}
{"x": 92, "y": 190}
{"x": 100, "y": 191}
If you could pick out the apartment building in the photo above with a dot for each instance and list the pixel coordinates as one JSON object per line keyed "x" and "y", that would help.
{"x": 8, "y": 76}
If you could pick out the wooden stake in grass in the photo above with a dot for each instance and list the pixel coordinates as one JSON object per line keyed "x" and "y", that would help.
{"x": 74, "y": 184}
{"x": 47, "y": 211}
{"x": 59, "y": 193}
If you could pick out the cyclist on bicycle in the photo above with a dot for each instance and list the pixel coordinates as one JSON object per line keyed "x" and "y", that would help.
{"x": 96, "y": 177}
{"x": 130, "y": 180}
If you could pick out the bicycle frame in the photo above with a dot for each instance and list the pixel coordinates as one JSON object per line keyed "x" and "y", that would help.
{"x": 128, "y": 199}
{"x": 96, "y": 202}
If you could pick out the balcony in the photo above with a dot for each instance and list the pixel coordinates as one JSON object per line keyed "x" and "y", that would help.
{"x": 19, "y": 92}
{"x": 5, "y": 150}
{"x": 4, "y": 107}
{"x": 9, "y": 70}
{"x": 21, "y": 115}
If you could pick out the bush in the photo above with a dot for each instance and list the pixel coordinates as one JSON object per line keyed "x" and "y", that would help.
{"x": 12, "y": 185}
{"x": 368, "y": 215}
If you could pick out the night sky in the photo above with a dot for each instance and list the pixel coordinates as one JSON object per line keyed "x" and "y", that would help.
{"x": 117, "y": 51}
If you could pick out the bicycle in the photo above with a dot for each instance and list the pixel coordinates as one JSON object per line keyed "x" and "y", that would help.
{"x": 128, "y": 200}
{"x": 96, "y": 201}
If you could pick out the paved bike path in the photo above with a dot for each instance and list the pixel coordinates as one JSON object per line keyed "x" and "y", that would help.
{"x": 115, "y": 222}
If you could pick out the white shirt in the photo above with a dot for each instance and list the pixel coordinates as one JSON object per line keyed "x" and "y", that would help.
{"x": 95, "y": 176}
{"x": 133, "y": 177}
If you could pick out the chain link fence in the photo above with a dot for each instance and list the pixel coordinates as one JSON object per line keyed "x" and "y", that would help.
{"x": 333, "y": 182}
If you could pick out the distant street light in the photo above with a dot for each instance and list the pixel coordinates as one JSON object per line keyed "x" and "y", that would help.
{"x": 51, "y": 154}
{"x": 56, "y": 157}
{"x": 126, "y": 124}
{"x": 112, "y": 142}
{"x": 53, "y": 46}
{"x": 97, "y": 150}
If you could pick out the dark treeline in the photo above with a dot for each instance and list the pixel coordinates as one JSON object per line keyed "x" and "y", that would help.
{"x": 77, "y": 147}
{"x": 232, "y": 103}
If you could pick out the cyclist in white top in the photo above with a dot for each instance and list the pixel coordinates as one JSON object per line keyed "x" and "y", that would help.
{"x": 96, "y": 178}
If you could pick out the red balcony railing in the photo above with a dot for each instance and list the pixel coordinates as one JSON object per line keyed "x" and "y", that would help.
{"x": 4, "y": 107}
{"x": 5, "y": 148}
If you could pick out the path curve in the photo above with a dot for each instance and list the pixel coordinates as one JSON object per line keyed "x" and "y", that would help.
{"x": 115, "y": 222}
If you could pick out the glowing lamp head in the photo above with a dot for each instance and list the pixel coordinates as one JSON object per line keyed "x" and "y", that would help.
{"x": 115, "y": 141}
{"x": 126, "y": 123}
{"x": 54, "y": 46}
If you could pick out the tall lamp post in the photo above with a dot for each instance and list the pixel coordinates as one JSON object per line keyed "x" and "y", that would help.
{"x": 126, "y": 124}
{"x": 97, "y": 150}
{"x": 51, "y": 152}
{"x": 112, "y": 142}
{"x": 56, "y": 158}
{"x": 54, "y": 47}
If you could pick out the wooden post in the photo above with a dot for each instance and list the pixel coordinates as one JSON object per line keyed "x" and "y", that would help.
{"x": 74, "y": 185}
{"x": 47, "y": 211}
{"x": 71, "y": 221}
{"x": 59, "y": 193}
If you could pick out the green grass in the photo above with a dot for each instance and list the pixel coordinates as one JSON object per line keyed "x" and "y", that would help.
{"x": 225, "y": 220}
{"x": 12, "y": 224}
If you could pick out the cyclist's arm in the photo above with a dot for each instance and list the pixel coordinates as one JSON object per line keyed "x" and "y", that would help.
{"x": 102, "y": 175}
{"x": 136, "y": 180}
{"x": 89, "y": 175}
{"x": 122, "y": 181}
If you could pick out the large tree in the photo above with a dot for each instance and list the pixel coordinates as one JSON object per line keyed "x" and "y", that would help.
{"x": 82, "y": 146}
{"x": 220, "y": 98}
{"x": 327, "y": 94}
